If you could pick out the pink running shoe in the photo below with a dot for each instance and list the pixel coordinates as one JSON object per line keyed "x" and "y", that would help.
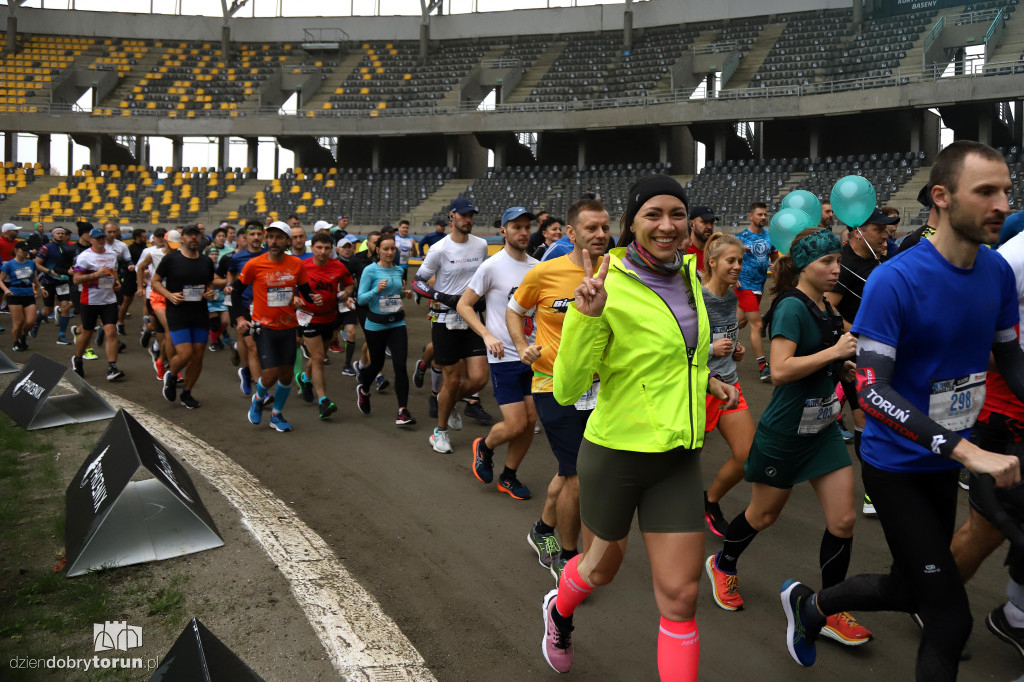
{"x": 557, "y": 643}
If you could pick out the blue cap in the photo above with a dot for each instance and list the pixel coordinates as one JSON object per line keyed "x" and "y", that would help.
{"x": 463, "y": 206}
{"x": 514, "y": 212}
{"x": 97, "y": 233}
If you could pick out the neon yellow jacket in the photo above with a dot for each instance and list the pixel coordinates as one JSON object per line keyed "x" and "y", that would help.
{"x": 652, "y": 399}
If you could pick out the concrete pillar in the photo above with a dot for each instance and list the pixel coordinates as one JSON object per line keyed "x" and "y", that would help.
{"x": 663, "y": 139}
{"x": 814, "y": 147}
{"x": 277, "y": 158}
{"x": 627, "y": 30}
{"x": 96, "y": 150}
{"x": 683, "y": 151}
{"x": 758, "y": 127}
{"x": 222, "y": 152}
{"x": 11, "y": 146}
{"x": 225, "y": 43}
{"x": 1018, "y": 124}
{"x": 71, "y": 155}
{"x": 252, "y": 158}
{"x": 581, "y": 151}
{"x": 916, "y": 128}
{"x": 449, "y": 152}
{"x": 720, "y": 145}
{"x": 985, "y": 129}
{"x": 858, "y": 15}
{"x": 141, "y": 150}
{"x": 12, "y": 34}
{"x": 177, "y": 151}
{"x": 499, "y": 155}
{"x": 375, "y": 155}
{"x": 43, "y": 150}
{"x": 424, "y": 41}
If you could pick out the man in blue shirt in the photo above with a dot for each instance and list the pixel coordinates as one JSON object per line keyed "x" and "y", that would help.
{"x": 922, "y": 357}
{"x": 434, "y": 237}
{"x": 757, "y": 260}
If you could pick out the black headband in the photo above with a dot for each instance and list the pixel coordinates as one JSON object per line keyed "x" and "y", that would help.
{"x": 652, "y": 186}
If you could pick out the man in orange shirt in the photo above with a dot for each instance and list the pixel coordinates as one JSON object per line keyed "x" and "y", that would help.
{"x": 274, "y": 278}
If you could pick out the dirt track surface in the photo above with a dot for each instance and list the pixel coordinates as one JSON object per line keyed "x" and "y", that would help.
{"x": 448, "y": 560}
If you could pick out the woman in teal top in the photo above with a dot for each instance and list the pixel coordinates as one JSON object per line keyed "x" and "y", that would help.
{"x": 797, "y": 438}
{"x": 382, "y": 291}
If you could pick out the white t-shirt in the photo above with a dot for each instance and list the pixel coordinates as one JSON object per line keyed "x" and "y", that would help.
{"x": 1013, "y": 252}
{"x": 452, "y": 265}
{"x": 98, "y": 291}
{"x": 404, "y": 245}
{"x": 120, "y": 249}
{"x": 496, "y": 280}
{"x": 156, "y": 254}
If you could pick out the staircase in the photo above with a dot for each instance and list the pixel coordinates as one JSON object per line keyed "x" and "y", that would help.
{"x": 334, "y": 80}
{"x": 141, "y": 69}
{"x": 420, "y": 217}
{"x": 535, "y": 73}
{"x": 34, "y": 191}
{"x": 905, "y": 200}
{"x": 755, "y": 56}
{"x": 1012, "y": 46}
{"x": 452, "y": 97}
{"x": 230, "y": 202}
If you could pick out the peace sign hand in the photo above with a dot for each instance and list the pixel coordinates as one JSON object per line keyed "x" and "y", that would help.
{"x": 591, "y": 294}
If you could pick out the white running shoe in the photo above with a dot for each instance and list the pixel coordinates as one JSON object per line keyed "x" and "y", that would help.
{"x": 439, "y": 441}
{"x": 455, "y": 419}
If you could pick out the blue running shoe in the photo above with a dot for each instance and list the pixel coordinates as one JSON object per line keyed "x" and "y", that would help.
{"x": 255, "y": 411}
{"x": 245, "y": 378}
{"x": 277, "y": 421}
{"x": 799, "y": 641}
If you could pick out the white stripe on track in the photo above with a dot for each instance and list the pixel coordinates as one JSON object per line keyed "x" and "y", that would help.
{"x": 363, "y": 643}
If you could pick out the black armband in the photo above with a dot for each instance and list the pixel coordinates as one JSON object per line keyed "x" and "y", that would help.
{"x": 305, "y": 290}
{"x": 1010, "y": 360}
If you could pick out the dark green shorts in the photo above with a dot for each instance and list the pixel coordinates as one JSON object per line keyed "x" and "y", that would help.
{"x": 663, "y": 488}
{"x": 783, "y": 460}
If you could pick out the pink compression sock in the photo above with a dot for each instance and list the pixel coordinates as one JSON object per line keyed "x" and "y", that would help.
{"x": 678, "y": 650}
{"x": 571, "y": 588}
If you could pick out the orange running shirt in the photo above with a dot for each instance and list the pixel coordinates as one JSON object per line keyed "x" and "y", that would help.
{"x": 273, "y": 286}
{"x": 549, "y": 286}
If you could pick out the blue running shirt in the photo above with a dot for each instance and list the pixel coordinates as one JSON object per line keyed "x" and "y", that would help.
{"x": 757, "y": 251}
{"x": 942, "y": 321}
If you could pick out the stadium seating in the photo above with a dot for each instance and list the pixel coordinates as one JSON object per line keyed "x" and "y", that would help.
{"x": 17, "y": 177}
{"x": 26, "y": 76}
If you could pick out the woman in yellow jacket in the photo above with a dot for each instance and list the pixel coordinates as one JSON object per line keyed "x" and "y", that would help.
{"x": 640, "y": 325}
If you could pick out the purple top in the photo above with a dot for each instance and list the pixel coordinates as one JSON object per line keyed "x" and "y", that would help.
{"x": 674, "y": 291}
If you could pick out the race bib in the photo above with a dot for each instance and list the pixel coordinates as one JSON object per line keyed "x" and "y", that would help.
{"x": 23, "y": 273}
{"x": 403, "y": 257}
{"x": 730, "y": 332}
{"x": 589, "y": 399}
{"x": 389, "y": 304}
{"x": 954, "y": 404}
{"x": 818, "y": 413}
{"x": 455, "y": 321}
{"x": 193, "y": 292}
{"x": 303, "y": 317}
{"x": 63, "y": 289}
{"x": 106, "y": 282}
{"x": 279, "y": 297}
{"x": 346, "y": 305}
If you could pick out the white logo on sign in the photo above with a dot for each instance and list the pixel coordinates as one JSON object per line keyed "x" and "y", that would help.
{"x": 28, "y": 386}
{"x": 94, "y": 477}
{"x": 936, "y": 442}
{"x": 165, "y": 467}
{"x": 116, "y": 635}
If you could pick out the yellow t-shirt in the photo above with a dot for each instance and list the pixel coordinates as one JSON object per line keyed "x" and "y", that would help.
{"x": 549, "y": 287}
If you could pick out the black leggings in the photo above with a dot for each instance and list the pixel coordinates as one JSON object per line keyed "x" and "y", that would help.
{"x": 396, "y": 338}
{"x": 918, "y": 515}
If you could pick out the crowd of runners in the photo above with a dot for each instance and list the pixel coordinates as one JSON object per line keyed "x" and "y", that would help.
{"x": 623, "y": 348}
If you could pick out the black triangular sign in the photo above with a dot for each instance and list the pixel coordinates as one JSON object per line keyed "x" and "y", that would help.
{"x": 198, "y": 656}
{"x": 7, "y": 365}
{"x": 112, "y": 520}
{"x": 28, "y": 399}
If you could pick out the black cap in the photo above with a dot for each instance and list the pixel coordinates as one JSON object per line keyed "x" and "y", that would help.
{"x": 879, "y": 218}
{"x": 704, "y": 213}
{"x": 191, "y": 228}
{"x": 924, "y": 197}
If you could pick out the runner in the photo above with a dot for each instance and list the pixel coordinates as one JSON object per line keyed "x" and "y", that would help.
{"x": 125, "y": 268}
{"x": 96, "y": 274}
{"x": 273, "y": 278}
{"x": 631, "y": 322}
{"x": 407, "y": 247}
{"x": 452, "y": 262}
{"x": 381, "y": 291}
{"x": 250, "y": 241}
{"x": 495, "y": 282}
{"x": 20, "y": 286}
{"x": 360, "y": 261}
{"x": 348, "y": 320}
{"x": 156, "y": 304}
{"x": 702, "y": 226}
{"x": 922, "y": 357}
{"x": 723, "y": 260}
{"x": 548, "y": 289}
{"x": 333, "y": 282}
{"x": 828, "y": 216}
{"x": 217, "y": 307}
{"x": 797, "y": 437}
{"x": 54, "y": 262}
{"x": 298, "y": 248}
{"x": 757, "y": 259}
{"x": 434, "y": 237}
{"x": 551, "y": 231}
{"x": 185, "y": 279}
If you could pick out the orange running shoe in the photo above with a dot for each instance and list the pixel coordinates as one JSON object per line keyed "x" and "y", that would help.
{"x": 725, "y": 587}
{"x": 844, "y": 629}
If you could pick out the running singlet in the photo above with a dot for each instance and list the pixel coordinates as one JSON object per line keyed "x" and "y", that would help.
{"x": 404, "y": 245}
{"x": 722, "y": 316}
{"x": 998, "y": 396}
{"x": 325, "y": 280}
{"x": 757, "y": 251}
{"x": 97, "y": 291}
{"x": 549, "y": 287}
{"x": 19, "y": 277}
{"x": 942, "y": 344}
{"x": 452, "y": 266}
{"x": 496, "y": 280}
{"x": 156, "y": 254}
{"x": 273, "y": 286}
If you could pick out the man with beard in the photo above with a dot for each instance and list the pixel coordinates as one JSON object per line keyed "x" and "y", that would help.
{"x": 702, "y": 226}
{"x": 757, "y": 259}
{"x": 185, "y": 278}
{"x": 495, "y": 282}
{"x": 54, "y": 261}
{"x": 922, "y": 357}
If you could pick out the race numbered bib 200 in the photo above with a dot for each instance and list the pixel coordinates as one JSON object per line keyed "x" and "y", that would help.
{"x": 588, "y": 400}
{"x": 279, "y": 297}
{"x": 454, "y": 321}
{"x": 817, "y": 414}
{"x": 954, "y": 404}
{"x": 389, "y": 304}
{"x": 23, "y": 273}
{"x": 193, "y": 292}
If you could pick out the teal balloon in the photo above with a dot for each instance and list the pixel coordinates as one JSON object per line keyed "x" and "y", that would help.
{"x": 786, "y": 225}
{"x": 853, "y": 200}
{"x": 803, "y": 200}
